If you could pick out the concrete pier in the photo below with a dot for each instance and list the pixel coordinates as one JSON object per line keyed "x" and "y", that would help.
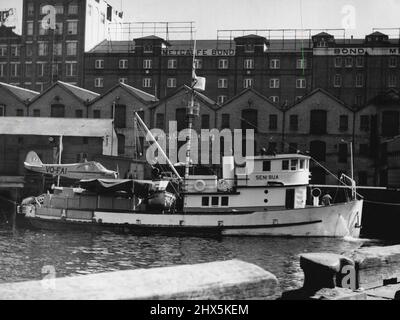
{"x": 371, "y": 273}
{"x": 233, "y": 280}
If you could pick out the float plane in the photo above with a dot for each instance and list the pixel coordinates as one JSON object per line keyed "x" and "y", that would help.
{"x": 79, "y": 171}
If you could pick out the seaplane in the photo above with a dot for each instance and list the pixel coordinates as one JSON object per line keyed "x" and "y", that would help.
{"x": 78, "y": 171}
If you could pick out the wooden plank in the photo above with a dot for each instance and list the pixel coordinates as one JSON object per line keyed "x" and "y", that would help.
{"x": 231, "y": 280}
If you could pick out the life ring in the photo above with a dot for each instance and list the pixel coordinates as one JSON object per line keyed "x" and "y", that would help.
{"x": 223, "y": 185}
{"x": 200, "y": 185}
{"x": 317, "y": 194}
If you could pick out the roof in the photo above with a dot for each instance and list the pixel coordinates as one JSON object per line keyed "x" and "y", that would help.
{"x": 244, "y": 92}
{"x": 56, "y": 127}
{"x": 323, "y": 92}
{"x": 323, "y": 34}
{"x": 141, "y": 95}
{"x": 80, "y": 93}
{"x": 377, "y": 33}
{"x": 197, "y": 94}
{"x": 22, "y": 94}
{"x": 389, "y": 97}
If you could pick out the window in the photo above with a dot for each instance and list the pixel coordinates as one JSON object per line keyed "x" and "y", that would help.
{"x": 72, "y": 48}
{"x": 274, "y": 99}
{"x": 318, "y": 122}
{"x": 36, "y": 113}
{"x": 364, "y": 149}
{"x": 123, "y": 80}
{"x": 318, "y": 150}
{"x": 2, "y": 110}
{"x": 249, "y": 47}
{"x": 214, "y": 201}
{"x": 222, "y": 83}
{"x": 338, "y": 62}
{"x": 342, "y": 155}
{"x": 205, "y": 201}
{"x": 3, "y": 51}
{"x": 96, "y": 114}
{"x": 123, "y": 64}
{"x": 273, "y": 122}
{"x": 43, "y": 48}
{"x": 72, "y": 27}
{"x": 249, "y": 64}
{"x": 160, "y": 120}
{"x": 359, "y": 80}
{"x": 2, "y": 69}
{"x": 360, "y": 62}
{"x": 39, "y": 86}
{"x": 198, "y": 64}
{"x": 43, "y": 31}
{"x": 59, "y": 8}
{"x": 121, "y": 144}
{"x": 147, "y": 83}
{"x": 294, "y": 122}
{"x": 293, "y": 165}
{"x": 225, "y": 121}
{"x": 205, "y": 121}
{"x": 171, "y": 83}
{"x": 224, "y": 201}
{"x": 266, "y": 166}
{"x": 59, "y": 28}
{"x": 15, "y": 69}
{"x": 172, "y": 63}
{"x": 343, "y": 123}
{"x": 29, "y": 49}
{"x": 293, "y": 147}
{"x": 223, "y": 64}
{"x": 99, "y": 82}
{"x": 364, "y": 123}
{"x": 20, "y": 113}
{"x": 221, "y": 99}
{"x": 30, "y": 9}
{"x": 147, "y": 64}
{"x": 392, "y": 83}
{"x": 99, "y": 64}
{"x": 247, "y": 83}
{"x": 180, "y": 116}
{"x": 81, "y": 157}
{"x": 301, "y": 83}
{"x": 392, "y": 62}
{"x": 348, "y": 62}
{"x": 274, "y": 83}
{"x": 28, "y": 70}
{"x": 73, "y": 9}
{"x": 57, "y": 111}
{"x": 120, "y": 116}
{"x": 358, "y": 100}
{"x": 285, "y": 165}
{"x": 301, "y": 64}
{"x": 29, "y": 28}
{"x": 302, "y": 164}
{"x": 249, "y": 119}
{"x": 337, "y": 81}
{"x": 390, "y": 123}
{"x": 72, "y": 69}
{"x": 275, "y": 64}
{"x": 41, "y": 69}
{"x": 148, "y": 49}
{"x": 58, "y": 49}
{"x": 78, "y": 113}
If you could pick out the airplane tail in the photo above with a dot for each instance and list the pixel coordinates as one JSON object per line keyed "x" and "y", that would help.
{"x": 32, "y": 159}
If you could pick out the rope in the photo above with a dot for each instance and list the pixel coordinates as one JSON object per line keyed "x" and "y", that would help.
{"x": 383, "y": 203}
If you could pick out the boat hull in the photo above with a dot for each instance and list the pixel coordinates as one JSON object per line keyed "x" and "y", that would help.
{"x": 338, "y": 220}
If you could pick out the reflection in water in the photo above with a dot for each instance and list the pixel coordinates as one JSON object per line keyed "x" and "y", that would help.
{"x": 24, "y": 253}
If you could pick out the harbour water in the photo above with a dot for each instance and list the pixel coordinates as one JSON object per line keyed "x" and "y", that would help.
{"x": 27, "y": 254}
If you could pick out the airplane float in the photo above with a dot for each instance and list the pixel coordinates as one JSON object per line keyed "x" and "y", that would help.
{"x": 79, "y": 171}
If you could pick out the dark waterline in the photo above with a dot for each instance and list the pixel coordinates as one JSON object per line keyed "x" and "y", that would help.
{"x": 25, "y": 252}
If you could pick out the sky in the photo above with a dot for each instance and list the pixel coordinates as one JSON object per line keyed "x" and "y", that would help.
{"x": 358, "y": 17}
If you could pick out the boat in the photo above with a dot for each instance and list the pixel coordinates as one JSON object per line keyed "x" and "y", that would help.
{"x": 265, "y": 196}
{"x": 269, "y": 200}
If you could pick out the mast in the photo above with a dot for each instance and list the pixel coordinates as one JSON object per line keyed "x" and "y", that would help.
{"x": 191, "y": 113}
{"x": 158, "y": 145}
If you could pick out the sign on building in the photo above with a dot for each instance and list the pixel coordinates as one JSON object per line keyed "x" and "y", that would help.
{"x": 8, "y": 17}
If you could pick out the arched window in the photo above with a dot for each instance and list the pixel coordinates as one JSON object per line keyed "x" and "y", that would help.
{"x": 318, "y": 150}
{"x": 121, "y": 144}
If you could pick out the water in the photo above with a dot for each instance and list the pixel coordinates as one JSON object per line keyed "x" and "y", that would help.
{"x": 25, "y": 252}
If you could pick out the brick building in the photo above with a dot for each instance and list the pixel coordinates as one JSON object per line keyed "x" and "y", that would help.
{"x": 10, "y": 56}
{"x": 51, "y": 54}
